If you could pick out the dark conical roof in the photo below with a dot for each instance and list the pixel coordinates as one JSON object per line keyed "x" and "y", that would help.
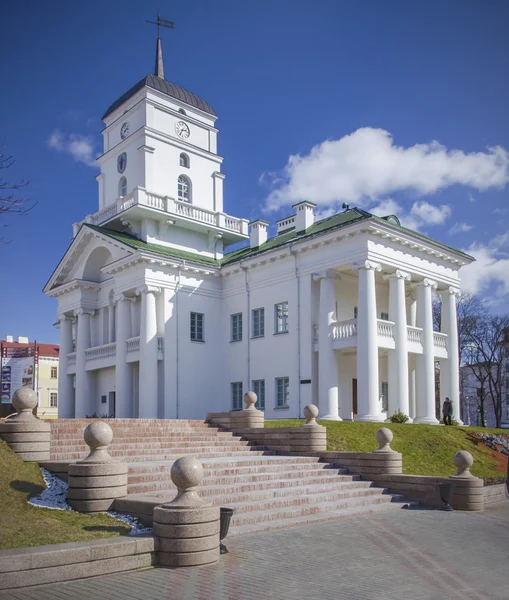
{"x": 170, "y": 89}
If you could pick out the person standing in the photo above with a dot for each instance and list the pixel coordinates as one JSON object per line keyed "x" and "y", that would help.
{"x": 447, "y": 411}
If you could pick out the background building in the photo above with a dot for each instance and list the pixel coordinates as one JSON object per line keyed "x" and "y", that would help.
{"x": 30, "y": 364}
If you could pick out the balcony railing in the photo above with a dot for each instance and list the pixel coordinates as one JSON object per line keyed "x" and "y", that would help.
{"x": 344, "y": 329}
{"x": 133, "y": 345}
{"x": 385, "y": 329}
{"x": 101, "y": 352}
{"x": 140, "y": 197}
{"x": 440, "y": 340}
{"x": 414, "y": 334}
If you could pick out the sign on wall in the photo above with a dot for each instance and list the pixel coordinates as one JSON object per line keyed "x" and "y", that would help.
{"x": 19, "y": 369}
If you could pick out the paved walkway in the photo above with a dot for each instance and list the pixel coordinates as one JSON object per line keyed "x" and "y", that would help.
{"x": 399, "y": 555}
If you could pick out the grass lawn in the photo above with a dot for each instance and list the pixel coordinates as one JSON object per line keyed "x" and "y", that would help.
{"x": 426, "y": 449}
{"x": 22, "y": 524}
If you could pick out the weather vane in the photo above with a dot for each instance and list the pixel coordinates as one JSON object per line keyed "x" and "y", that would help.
{"x": 159, "y": 67}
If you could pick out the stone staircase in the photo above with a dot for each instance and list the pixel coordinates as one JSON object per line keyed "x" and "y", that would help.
{"x": 267, "y": 491}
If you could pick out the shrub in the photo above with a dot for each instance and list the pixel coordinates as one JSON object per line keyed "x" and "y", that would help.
{"x": 398, "y": 417}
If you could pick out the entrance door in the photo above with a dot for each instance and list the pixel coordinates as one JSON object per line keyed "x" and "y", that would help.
{"x": 111, "y": 404}
{"x": 354, "y": 397}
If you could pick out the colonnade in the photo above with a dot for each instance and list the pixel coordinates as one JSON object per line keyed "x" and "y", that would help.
{"x": 411, "y": 378}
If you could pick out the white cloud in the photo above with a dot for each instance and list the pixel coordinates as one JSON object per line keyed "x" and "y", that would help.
{"x": 422, "y": 213}
{"x": 429, "y": 214}
{"x": 80, "y": 147}
{"x": 365, "y": 166}
{"x": 460, "y": 228}
{"x": 491, "y": 269}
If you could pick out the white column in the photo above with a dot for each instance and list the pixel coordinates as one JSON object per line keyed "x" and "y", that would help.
{"x": 328, "y": 402}
{"x": 111, "y": 323}
{"x": 123, "y": 376}
{"x": 83, "y": 404}
{"x": 148, "y": 353}
{"x": 398, "y": 358}
{"x": 450, "y": 368}
{"x": 367, "y": 345}
{"x": 411, "y": 388}
{"x": 425, "y": 362}
{"x": 65, "y": 382}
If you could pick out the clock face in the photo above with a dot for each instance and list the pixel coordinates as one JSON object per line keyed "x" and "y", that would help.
{"x": 124, "y": 130}
{"x": 182, "y": 130}
{"x": 122, "y": 162}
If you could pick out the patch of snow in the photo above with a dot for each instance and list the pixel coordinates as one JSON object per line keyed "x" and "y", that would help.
{"x": 55, "y": 498}
{"x": 498, "y": 442}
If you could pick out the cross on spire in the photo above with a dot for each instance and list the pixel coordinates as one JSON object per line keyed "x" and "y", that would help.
{"x": 159, "y": 67}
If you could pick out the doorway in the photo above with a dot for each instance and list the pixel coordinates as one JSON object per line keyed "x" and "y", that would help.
{"x": 111, "y": 404}
{"x": 354, "y": 397}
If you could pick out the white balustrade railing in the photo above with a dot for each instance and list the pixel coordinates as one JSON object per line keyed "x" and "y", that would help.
{"x": 440, "y": 339}
{"x": 141, "y": 197}
{"x": 385, "y": 328}
{"x": 132, "y": 345}
{"x": 344, "y": 329}
{"x": 414, "y": 334}
{"x": 101, "y": 352}
{"x": 71, "y": 359}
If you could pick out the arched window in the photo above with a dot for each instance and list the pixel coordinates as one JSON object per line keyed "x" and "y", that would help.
{"x": 184, "y": 189}
{"x": 122, "y": 187}
{"x": 184, "y": 160}
{"x": 182, "y": 111}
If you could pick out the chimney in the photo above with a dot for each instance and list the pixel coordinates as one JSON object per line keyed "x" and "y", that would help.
{"x": 9, "y": 339}
{"x": 258, "y": 234}
{"x": 22, "y": 339}
{"x": 304, "y": 215}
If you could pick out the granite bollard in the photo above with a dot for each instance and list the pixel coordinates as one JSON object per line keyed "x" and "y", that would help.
{"x": 98, "y": 480}
{"x": 28, "y": 436}
{"x": 186, "y": 529}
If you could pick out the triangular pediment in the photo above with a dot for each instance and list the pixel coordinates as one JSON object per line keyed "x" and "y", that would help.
{"x": 73, "y": 265}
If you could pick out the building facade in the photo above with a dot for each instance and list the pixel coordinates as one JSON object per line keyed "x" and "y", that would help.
{"x": 157, "y": 321}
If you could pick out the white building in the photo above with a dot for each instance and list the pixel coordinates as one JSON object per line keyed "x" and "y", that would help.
{"x": 157, "y": 321}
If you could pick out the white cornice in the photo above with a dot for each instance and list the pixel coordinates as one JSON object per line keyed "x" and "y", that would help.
{"x": 73, "y": 285}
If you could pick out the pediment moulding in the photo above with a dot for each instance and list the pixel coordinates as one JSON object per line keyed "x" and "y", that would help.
{"x": 73, "y": 285}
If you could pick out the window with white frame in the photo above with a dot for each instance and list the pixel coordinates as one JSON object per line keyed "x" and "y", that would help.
{"x": 53, "y": 399}
{"x": 259, "y": 390}
{"x": 282, "y": 392}
{"x": 236, "y": 395}
{"x": 54, "y": 372}
{"x": 385, "y": 396}
{"x": 236, "y": 327}
{"x": 281, "y": 317}
{"x": 184, "y": 160}
{"x": 122, "y": 187}
{"x": 197, "y": 327}
{"x": 258, "y": 322}
{"x": 184, "y": 189}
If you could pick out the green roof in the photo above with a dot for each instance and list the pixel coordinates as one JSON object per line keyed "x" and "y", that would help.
{"x": 137, "y": 244}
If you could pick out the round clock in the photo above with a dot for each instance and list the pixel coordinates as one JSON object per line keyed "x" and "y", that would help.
{"x": 124, "y": 130}
{"x": 122, "y": 162}
{"x": 182, "y": 130}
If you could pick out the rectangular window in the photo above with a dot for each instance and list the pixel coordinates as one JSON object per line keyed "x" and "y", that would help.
{"x": 237, "y": 395}
{"x": 355, "y": 312}
{"x": 54, "y": 372}
{"x": 259, "y": 390}
{"x": 282, "y": 392}
{"x": 281, "y": 317}
{"x": 236, "y": 327}
{"x": 197, "y": 327}
{"x": 258, "y": 322}
{"x": 104, "y": 399}
{"x": 385, "y": 396}
{"x": 384, "y": 316}
{"x": 53, "y": 399}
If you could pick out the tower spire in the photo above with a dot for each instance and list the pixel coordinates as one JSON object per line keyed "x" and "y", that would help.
{"x": 159, "y": 67}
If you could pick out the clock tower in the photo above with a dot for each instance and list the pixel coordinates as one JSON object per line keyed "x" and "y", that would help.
{"x": 160, "y": 171}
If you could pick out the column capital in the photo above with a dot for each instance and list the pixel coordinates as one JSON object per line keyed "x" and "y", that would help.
{"x": 148, "y": 289}
{"x": 328, "y": 274}
{"x": 63, "y": 318}
{"x": 426, "y": 283}
{"x": 367, "y": 265}
{"x": 451, "y": 291}
{"x": 84, "y": 311}
{"x": 398, "y": 275}
{"x": 121, "y": 297}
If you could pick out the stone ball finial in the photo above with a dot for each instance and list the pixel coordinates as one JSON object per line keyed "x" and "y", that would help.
{"x": 463, "y": 461}
{"x": 250, "y": 399}
{"x": 24, "y": 401}
{"x": 98, "y": 436}
{"x": 310, "y": 413}
{"x": 384, "y": 438}
{"x": 187, "y": 474}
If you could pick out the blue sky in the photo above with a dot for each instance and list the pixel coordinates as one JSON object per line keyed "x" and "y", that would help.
{"x": 394, "y": 105}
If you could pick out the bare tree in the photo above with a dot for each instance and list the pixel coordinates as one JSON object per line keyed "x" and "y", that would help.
{"x": 11, "y": 201}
